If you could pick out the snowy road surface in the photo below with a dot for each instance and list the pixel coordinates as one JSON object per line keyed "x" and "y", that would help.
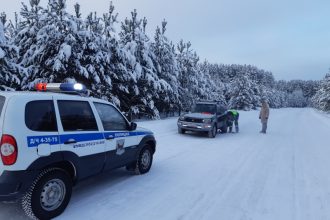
{"x": 281, "y": 175}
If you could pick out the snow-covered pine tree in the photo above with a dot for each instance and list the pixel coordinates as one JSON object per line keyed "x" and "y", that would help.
{"x": 211, "y": 89}
{"x": 298, "y": 92}
{"x": 220, "y": 76}
{"x": 27, "y": 30}
{"x": 188, "y": 75}
{"x": 167, "y": 70}
{"x": 9, "y": 70}
{"x": 116, "y": 61}
{"x": 146, "y": 85}
{"x": 54, "y": 49}
{"x": 309, "y": 89}
{"x": 95, "y": 58}
{"x": 241, "y": 93}
{"x": 39, "y": 39}
{"x": 296, "y": 99}
{"x": 321, "y": 100}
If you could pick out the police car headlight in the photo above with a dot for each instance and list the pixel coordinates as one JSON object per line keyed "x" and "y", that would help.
{"x": 181, "y": 118}
{"x": 207, "y": 121}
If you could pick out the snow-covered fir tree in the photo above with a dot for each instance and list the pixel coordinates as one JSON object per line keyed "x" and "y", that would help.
{"x": 116, "y": 62}
{"x": 9, "y": 70}
{"x": 241, "y": 93}
{"x": 53, "y": 47}
{"x": 321, "y": 100}
{"x": 145, "y": 88}
{"x": 188, "y": 75}
{"x": 167, "y": 69}
{"x": 211, "y": 89}
{"x": 296, "y": 99}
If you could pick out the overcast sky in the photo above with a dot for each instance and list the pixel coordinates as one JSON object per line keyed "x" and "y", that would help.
{"x": 291, "y": 38}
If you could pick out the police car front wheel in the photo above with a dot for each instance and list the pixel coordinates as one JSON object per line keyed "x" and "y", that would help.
{"x": 144, "y": 161}
{"x": 49, "y": 194}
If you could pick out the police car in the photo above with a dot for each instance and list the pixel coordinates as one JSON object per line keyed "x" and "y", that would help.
{"x": 50, "y": 141}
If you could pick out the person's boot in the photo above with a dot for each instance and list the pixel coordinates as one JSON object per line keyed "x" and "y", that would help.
{"x": 237, "y": 129}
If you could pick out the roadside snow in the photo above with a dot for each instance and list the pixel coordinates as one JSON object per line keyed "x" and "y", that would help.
{"x": 281, "y": 175}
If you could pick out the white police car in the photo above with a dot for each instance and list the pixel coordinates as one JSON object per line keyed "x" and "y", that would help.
{"x": 50, "y": 141}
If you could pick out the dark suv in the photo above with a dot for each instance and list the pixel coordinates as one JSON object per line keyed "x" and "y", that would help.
{"x": 206, "y": 116}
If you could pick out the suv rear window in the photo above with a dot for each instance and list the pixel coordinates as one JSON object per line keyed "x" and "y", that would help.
{"x": 77, "y": 116}
{"x": 2, "y": 102}
{"x": 40, "y": 116}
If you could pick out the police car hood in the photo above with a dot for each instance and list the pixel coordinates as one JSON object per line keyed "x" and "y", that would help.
{"x": 143, "y": 130}
{"x": 199, "y": 115}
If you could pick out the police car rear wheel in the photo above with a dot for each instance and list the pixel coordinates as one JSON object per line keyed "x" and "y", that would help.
{"x": 49, "y": 195}
{"x": 144, "y": 161}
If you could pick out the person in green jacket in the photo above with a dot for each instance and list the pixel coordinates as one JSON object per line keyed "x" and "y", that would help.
{"x": 232, "y": 117}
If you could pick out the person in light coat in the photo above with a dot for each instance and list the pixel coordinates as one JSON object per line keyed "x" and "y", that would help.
{"x": 263, "y": 116}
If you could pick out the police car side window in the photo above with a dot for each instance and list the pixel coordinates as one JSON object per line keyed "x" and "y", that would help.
{"x": 76, "y": 116}
{"x": 111, "y": 119}
{"x": 40, "y": 116}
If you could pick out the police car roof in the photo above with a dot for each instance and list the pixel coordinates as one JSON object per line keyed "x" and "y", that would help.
{"x": 31, "y": 94}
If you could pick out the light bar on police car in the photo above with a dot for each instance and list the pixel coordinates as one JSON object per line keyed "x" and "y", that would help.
{"x": 61, "y": 87}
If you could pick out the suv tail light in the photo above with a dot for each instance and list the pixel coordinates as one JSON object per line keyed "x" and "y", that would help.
{"x": 8, "y": 149}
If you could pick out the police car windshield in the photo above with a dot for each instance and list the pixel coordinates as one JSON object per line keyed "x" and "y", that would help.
{"x": 205, "y": 108}
{"x": 2, "y": 102}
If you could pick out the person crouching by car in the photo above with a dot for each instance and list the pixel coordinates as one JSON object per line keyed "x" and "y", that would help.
{"x": 232, "y": 118}
{"x": 263, "y": 116}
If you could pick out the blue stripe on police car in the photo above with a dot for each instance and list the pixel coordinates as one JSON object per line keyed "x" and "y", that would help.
{"x": 34, "y": 141}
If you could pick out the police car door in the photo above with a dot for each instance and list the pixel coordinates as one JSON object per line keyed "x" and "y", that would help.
{"x": 41, "y": 125}
{"x": 80, "y": 135}
{"x": 121, "y": 143}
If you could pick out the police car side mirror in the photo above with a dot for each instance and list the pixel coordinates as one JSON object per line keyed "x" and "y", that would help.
{"x": 132, "y": 126}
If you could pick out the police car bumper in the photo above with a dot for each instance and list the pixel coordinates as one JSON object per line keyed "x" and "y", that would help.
{"x": 14, "y": 184}
{"x": 194, "y": 126}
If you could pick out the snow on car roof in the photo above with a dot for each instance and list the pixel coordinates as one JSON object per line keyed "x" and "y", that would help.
{"x": 32, "y": 94}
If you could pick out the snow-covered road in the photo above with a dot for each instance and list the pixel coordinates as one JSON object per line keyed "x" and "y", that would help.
{"x": 281, "y": 175}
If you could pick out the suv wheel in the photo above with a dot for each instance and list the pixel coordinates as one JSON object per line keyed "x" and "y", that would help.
{"x": 144, "y": 160}
{"x": 213, "y": 132}
{"x": 49, "y": 194}
{"x": 181, "y": 131}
